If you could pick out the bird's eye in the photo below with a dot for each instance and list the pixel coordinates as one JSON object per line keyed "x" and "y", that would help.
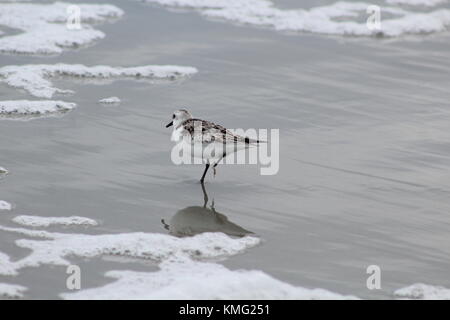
{"x": 173, "y": 116}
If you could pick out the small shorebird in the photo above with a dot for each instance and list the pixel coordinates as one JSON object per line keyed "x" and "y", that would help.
{"x": 202, "y": 136}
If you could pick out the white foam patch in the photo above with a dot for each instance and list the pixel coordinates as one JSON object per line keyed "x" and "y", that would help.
{"x": 185, "y": 272}
{"x": 339, "y": 18}
{"x": 3, "y": 171}
{"x": 427, "y": 3}
{"x": 5, "y": 205}
{"x": 30, "y": 233}
{"x": 35, "y": 221}
{"x": 110, "y": 100}
{"x": 11, "y": 291}
{"x": 6, "y": 266}
{"x": 423, "y": 292}
{"x": 44, "y": 29}
{"x": 54, "y": 248}
{"x": 35, "y": 78}
{"x": 198, "y": 281}
{"x": 15, "y": 108}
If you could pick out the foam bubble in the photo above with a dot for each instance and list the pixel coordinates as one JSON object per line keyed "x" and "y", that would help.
{"x": 110, "y": 100}
{"x": 5, "y": 205}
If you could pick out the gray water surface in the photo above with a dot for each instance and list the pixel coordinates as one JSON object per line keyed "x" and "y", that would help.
{"x": 364, "y": 150}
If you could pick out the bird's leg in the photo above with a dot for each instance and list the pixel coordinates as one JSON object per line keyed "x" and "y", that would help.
{"x": 215, "y": 165}
{"x": 204, "y": 173}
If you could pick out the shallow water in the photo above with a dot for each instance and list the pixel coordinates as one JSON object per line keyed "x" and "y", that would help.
{"x": 364, "y": 150}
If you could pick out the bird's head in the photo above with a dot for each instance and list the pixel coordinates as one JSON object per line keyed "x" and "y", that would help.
{"x": 179, "y": 117}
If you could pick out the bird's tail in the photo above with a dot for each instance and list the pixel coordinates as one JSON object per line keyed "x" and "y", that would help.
{"x": 254, "y": 141}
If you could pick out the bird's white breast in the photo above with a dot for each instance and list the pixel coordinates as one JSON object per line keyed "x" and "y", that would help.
{"x": 177, "y": 134}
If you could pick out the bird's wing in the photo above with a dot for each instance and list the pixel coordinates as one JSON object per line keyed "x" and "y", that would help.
{"x": 207, "y": 132}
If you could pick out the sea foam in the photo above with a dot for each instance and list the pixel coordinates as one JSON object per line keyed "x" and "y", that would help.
{"x": 44, "y": 29}
{"x": 16, "y": 108}
{"x": 5, "y": 205}
{"x": 35, "y": 79}
{"x": 198, "y": 281}
{"x": 427, "y": 3}
{"x": 6, "y": 265}
{"x": 11, "y": 291}
{"x": 339, "y": 18}
{"x": 423, "y": 292}
{"x": 53, "y": 248}
{"x": 110, "y": 101}
{"x": 3, "y": 172}
{"x": 35, "y": 221}
{"x": 186, "y": 267}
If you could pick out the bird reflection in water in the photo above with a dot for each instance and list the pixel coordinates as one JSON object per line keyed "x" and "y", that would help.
{"x": 198, "y": 219}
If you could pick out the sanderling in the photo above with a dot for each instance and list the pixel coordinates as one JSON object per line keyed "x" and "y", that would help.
{"x": 201, "y": 136}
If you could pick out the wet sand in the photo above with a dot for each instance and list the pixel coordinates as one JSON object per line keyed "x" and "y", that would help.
{"x": 364, "y": 150}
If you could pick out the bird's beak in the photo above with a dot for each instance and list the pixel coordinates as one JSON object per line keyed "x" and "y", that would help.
{"x": 169, "y": 124}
